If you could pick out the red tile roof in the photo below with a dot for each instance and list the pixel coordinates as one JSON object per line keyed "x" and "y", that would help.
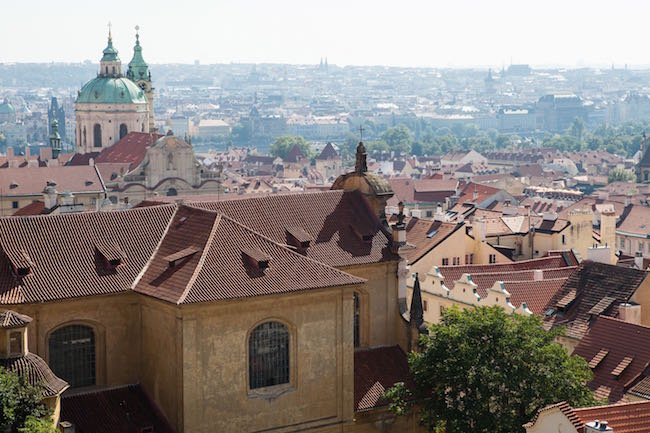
{"x": 334, "y": 219}
{"x": 635, "y": 220}
{"x": 616, "y": 341}
{"x": 63, "y": 250}
{"x": 32, "y": 181}
{"x": 125, "y": 409}
{"x": 34, "y": 208}
{"x": 593, "y": 282}
{"x": 622, "y": 418}
{"x": 132, "y": 148}
{"x": 11, "y": 319}
{"x": 35, "y": 371}
{"x": 424, "y": 235}
{"x": 376, "y": 370}
{"x": 218, "y": 268}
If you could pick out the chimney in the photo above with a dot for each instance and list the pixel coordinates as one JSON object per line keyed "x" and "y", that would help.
{"x": 399, "y": 229}
{"x": 538, "y": 275}
{"x": 638, "y": 260}
{"x": 478, "y": 229}
{"x": 26, "y": 151}
{"x": 597, "y": 426}
{"x": 50, "y": 197}
{"x": 10, "y": 152}
{"x": 630, "y": 313}
{"x": 475, "y": 195}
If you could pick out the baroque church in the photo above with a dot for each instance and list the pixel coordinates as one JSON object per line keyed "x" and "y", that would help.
{"x": 116, "y": 133}
{"x": 270, "y": 313}
{"x": 111, "y": 105}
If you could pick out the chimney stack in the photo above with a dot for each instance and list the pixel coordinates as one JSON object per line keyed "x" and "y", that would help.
{"x": 638, "y": 260}
{"x": 538, "y": 275}
{"x": 597, "y": 426}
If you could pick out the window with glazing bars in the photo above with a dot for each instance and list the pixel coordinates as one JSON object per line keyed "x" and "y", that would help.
{"x": 72, "y": 355}
{"x": 357, "y": 320}
{"x": 268, "y": 355}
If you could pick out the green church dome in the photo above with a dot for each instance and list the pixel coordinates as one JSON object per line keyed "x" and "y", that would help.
{"x": 111, "y": 90}
{"x": 7, "y": 108}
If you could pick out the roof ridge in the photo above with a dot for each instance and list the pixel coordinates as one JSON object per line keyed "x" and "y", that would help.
{"x": 199, "y": 265}
{"x": 144, "y": 269}
{"x": 285, "y": 247}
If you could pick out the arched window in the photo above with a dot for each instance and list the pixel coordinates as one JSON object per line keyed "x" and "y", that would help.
{"x": 97, "y": 135}
{"x": 170, "y": 162}
{"x": 172, "y": 191}
{"x": 357, "y": 320}
{"x": 85, "y": 136}
{"x": 72, "y": 354}
{"x": 268, "y": 355}
{"x": 123, "y": 130}
{"x": 113, "y": 70}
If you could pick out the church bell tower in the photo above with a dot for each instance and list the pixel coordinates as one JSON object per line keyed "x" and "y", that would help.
{"x": 139, "y": 73}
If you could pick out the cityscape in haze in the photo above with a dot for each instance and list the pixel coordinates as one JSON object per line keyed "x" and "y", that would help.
{"x": 349, "y": 217}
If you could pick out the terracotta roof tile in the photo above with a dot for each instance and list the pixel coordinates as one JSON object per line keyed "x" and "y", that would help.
{"x": 223, "y": 270}
{"x": 622, "y": 418}
{"x": 330, "y": 217}
{"x": 35, "y": 371}
{"x": 376, "y": 370}
{"x": 131, "y": 149}
{"x": 599, "y": 289}
{"x": 64, "y": 254}
{"x": 126, "y": 409}
{"x": 32, "y": 181}
{"x": 619, "y": 355}
{"x": 11, "y": 319}
{"x": 423, "y": 235}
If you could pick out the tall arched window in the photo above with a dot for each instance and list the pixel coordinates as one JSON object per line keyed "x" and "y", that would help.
{"x": 357, "y": 320}
{"x": 72, "y": 354}
{"x": 123, "y": 130}
{"x": 268, "y": 355}
{"x": 172, "y": 192}
{"x": 85, "y": 142}
{"x": 97, "y": 135}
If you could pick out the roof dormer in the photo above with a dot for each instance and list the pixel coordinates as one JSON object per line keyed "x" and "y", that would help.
{"x": 13, "y": 334}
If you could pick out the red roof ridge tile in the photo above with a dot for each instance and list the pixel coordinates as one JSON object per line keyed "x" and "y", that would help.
{"x": 204, "y": 253}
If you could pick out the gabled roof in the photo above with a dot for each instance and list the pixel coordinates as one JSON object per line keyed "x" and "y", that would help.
{"x": 617, "y": 341}
{"x": 131, "y": 149}
{"x": 635, "y": 220}
{"x": 215, "y": 263}
{"x": 32, "y": 181}
{"x": 63, "y": 250}
{"x": 124, "y": 409}
{"x": 334, "y": 219}
{"x": 592, "y": 283}
{"x": 376, "y": 370}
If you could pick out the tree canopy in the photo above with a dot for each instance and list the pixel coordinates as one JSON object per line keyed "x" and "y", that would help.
{"x": 283, "y": 145}
{"x": 620, "y": 175}
{"x": 22, "y": 408}
{"x": 482, "y": 370}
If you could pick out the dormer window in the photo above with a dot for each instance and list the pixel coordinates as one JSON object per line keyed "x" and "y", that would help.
{"x": 13, "y": 184}
{"x": 111, "y": 253}
{"x": 363, "y": 233}
{"x": 256, "y": 258}
{"x": 298, "y": 238}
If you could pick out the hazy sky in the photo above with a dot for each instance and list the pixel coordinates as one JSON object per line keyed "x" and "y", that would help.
{"x": 361, "y": 32}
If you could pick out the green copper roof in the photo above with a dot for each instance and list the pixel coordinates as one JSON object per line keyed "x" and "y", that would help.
{"x": 110, "y": 53}
{"x": 111, "y": 90}
{"x": 7, "y": 108}
{"x": 55, "y": 131}
{"x": 138, "y": 68}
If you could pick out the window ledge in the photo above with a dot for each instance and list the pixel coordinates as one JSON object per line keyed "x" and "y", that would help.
{"x": 271, "y": 392}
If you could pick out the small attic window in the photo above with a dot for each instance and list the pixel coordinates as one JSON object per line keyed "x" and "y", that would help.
{"x": 256, "y": 258}
{"x": 298, "y": 237}
{"x": 88, "y": 182}
{"x": 112, "y": 254}
{"x": 50, "y": 182}
{"x": 21, "y": 262}
{"x": 13, "y": 184}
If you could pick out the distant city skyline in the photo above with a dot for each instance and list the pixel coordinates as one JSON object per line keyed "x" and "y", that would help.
{"x": 463, "y": 33}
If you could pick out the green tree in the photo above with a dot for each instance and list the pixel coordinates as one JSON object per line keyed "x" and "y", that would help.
{"x": 283, "y": 145}
{"x": 21, "y": 404}
{"x": 399, "y": 139}
{"x": 620, "y": 175}
{"x": 482, "y": 370}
